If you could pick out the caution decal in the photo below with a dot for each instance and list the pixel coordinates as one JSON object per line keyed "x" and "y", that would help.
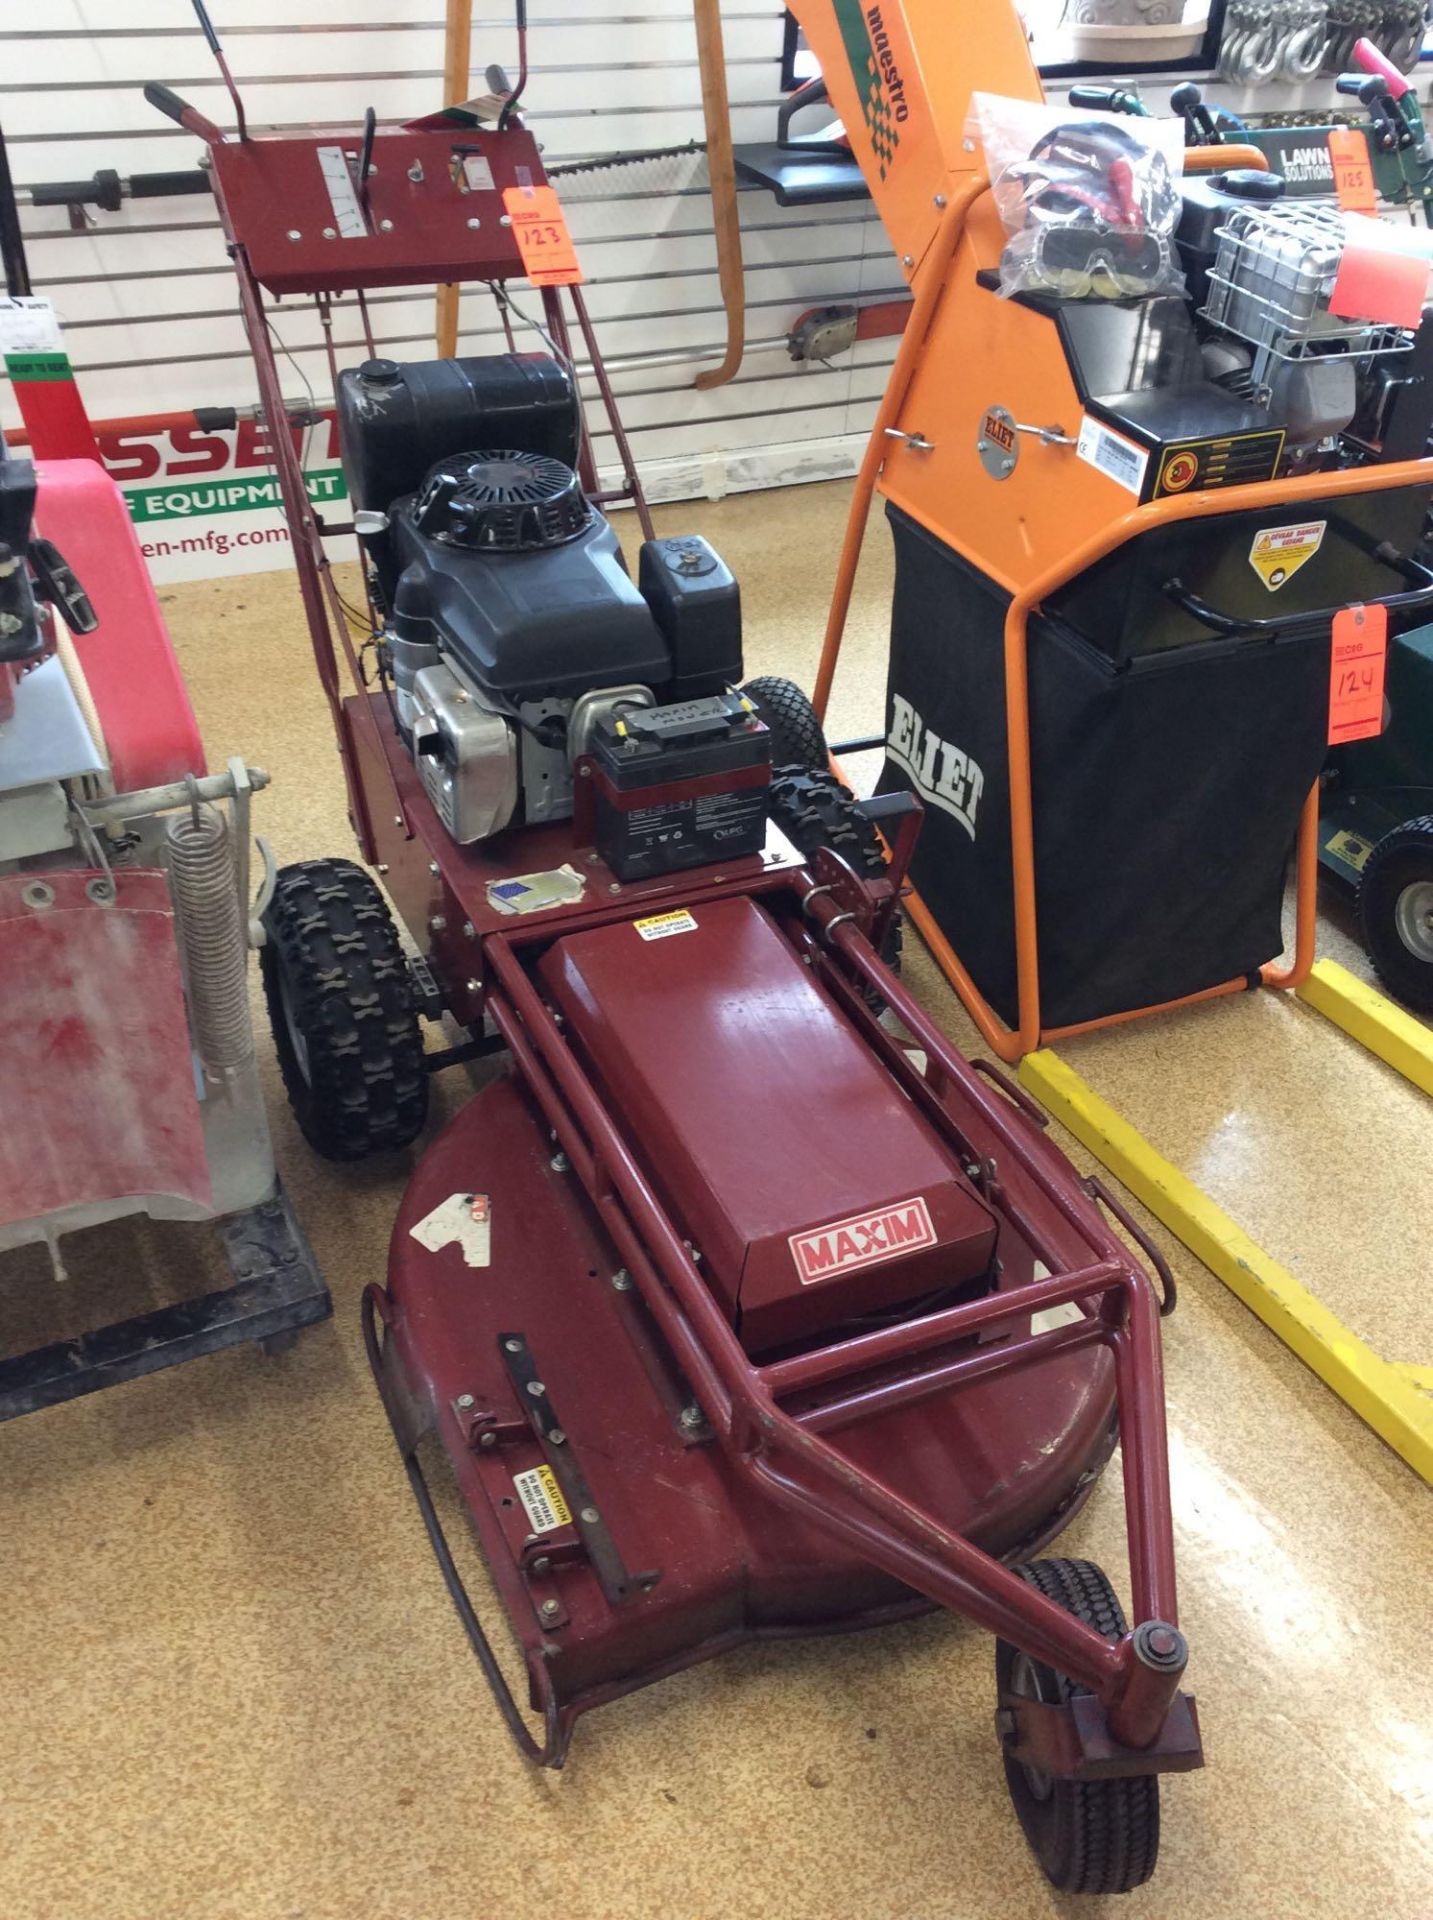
{"x": 1279, "y": 552}
{"x": 542, "y": 1499}
{"x": 661, "y": 926}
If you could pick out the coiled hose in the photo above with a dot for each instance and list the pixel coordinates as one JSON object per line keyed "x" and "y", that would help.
{"x": 204, "y": 882}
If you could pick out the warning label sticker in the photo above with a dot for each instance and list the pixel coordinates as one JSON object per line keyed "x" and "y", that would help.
{"x": 1349, "y": 847}
{"x": 542, "y": 1499}
{"x": 1279, "y": 552}
{"x": 661, "y": 926}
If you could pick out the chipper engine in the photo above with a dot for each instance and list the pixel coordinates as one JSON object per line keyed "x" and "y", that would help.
{"x": 739, "y": 1303}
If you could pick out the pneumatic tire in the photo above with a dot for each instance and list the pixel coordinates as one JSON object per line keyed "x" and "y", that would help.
{"x": 347, "y": 1035}
{"x": 797, "y": 736}
{"x": 1395, "y": 911}
{"x": 1090, "y": 1836}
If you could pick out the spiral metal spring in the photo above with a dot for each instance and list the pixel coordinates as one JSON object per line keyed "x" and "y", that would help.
{"x": 204, "y": 883}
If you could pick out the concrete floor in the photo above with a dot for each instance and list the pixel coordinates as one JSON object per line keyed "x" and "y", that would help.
{"x": 235, "y": 1689}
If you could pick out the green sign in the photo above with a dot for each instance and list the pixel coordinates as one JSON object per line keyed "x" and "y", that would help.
{"x": 38, "y": 366}
{"x": 196, "y": 499}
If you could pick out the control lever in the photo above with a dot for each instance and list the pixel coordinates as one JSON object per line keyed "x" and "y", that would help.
{"x": 1402, "y": 109}
{"x": 1390, "y": 132}
{"x": 1200, "y": 127}
{"x": 365, "y": 160}
{"x": 58, "y": 583}
{"x": 182, "y": 114}
{"x": 206, "y": 27}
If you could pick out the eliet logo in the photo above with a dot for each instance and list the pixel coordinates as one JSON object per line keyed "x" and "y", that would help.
{"x": 942, "y": 773}
{"x": 863, "y": 1240}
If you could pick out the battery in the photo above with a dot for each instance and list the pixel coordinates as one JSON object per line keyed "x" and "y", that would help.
{"x": 679, "y": 786}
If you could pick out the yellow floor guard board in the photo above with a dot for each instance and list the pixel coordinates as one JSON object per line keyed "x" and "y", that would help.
{"x": 1400, "y": 1038}
{"x": 1392, "y": 1398}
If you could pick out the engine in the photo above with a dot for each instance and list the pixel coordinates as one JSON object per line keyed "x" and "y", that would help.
{"x": 516, "y": 638}
{"x": 1261, "y": 269}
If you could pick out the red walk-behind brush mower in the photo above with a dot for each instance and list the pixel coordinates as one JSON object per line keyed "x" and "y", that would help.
{"x": 736, "y": 1315}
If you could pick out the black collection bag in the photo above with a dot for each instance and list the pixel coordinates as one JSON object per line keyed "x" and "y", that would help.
{"x": 1166, "y": 792}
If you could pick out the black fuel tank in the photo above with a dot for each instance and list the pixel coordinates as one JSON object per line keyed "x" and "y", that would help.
{"x": 397, "y": 418}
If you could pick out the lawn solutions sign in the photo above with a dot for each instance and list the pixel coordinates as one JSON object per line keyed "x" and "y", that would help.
{"x": 205, "y": 501}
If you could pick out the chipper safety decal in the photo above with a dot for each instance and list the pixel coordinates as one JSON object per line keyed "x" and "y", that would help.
{"x": 863, "y": 1240}
{"x": 1279, "y": 552}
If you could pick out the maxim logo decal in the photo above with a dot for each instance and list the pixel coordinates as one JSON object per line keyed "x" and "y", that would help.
{"x": 864, "y": 1240}
{"x": 941, "y": 772}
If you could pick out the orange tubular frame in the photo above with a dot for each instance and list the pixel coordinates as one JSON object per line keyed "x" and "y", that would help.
{"x": 1012, "y": 1043}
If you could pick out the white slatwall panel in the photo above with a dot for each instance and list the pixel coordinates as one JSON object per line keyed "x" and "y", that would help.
{"x": 148, "y": 303}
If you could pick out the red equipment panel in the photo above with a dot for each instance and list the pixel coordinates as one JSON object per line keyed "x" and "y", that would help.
{"x": 94, "y": 1047}
{"x": 432, "y": 208}
{"x": 128, "y": 660}
{"x": 810, "y": 1185}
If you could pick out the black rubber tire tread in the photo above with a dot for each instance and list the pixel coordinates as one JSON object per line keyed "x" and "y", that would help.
{"x": 1096, "y": 1836}
{"x": 333, "y": 946}
{"x": 1403, "y": 855}
{"x": 814, "y": 809}
{"x": 797, "y": 736}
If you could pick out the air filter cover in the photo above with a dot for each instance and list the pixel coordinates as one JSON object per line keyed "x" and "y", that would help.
{"x": 501, "y": 502}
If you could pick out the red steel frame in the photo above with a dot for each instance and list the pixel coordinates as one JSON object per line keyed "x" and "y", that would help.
{"x": 1143, "y": 1723}
{"x": 787, "y": 1453}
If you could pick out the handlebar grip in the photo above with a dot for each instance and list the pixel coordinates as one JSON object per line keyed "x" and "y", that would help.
{"x": 1373, "y": 60}
{"x": 1094, "y": 99}
{"x": 206, "y": 26}
{"x": 100, "y": 190}
{"x": 215, "y": 419}
{"x": 167, "y": 101}
{"x": 158, "y": 186}
{"x": 1349, "y": 83}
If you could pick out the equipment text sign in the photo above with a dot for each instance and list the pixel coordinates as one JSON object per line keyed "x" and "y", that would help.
{"x": 1360, "y": 652}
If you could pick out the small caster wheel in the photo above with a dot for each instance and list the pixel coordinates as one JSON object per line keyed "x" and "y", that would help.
{"x": 1090, "y": 1836}
{"x": 274, "y": 1344}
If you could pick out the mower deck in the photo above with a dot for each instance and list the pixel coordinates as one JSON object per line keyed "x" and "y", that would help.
{"x": 682, "y": 1556}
